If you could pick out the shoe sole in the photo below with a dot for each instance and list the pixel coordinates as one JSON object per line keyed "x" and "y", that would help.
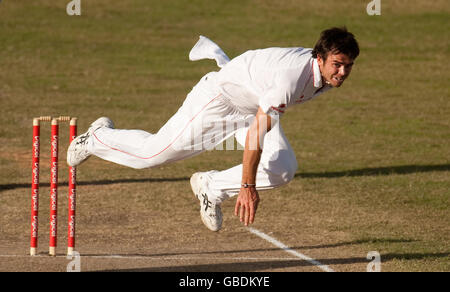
{"x": 99, "y": 123}
{"x": 196, "y": 190}
{"x": 70, "y": 150}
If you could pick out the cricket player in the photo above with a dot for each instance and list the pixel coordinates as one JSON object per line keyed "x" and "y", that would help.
{"x": 245, "y": 99}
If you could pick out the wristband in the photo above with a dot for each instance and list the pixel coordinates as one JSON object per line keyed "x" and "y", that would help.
{"x": 246, "y": 185}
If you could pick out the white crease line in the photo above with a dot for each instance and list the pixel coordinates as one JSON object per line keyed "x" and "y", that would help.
{"x": 289, "y": 250}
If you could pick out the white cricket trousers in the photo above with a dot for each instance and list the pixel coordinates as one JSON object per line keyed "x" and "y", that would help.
{"x": 205, "y": 120}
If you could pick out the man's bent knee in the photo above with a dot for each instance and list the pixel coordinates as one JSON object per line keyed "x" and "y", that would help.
{"x": 283, "y": 173}
{"x": 290, "y": 171}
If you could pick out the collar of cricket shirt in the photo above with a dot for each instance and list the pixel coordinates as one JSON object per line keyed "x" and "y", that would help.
{"x": 317, "y": 77}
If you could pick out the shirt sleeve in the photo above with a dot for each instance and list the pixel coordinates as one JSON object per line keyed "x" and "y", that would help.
{"x": 273, "y": 104}
{"x": 277, "y": 98}
{"x": 287, "y": 86}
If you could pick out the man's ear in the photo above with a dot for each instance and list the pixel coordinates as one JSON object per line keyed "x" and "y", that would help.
{"x": 320, "y": 60}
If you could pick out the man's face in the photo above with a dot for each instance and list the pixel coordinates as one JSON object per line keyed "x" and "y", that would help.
{"x": 335, "y": 69}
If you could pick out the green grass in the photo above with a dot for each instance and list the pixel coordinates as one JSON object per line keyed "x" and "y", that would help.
{"x": 373, "y": 155}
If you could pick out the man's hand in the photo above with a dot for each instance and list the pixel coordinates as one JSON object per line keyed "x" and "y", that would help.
{"x": 247, "y": 202}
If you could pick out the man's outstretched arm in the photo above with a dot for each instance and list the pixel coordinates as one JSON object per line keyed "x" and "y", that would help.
{"x": 248, "y": 198}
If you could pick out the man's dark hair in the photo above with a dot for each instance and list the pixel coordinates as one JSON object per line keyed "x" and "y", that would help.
{"x": 336, "y": 40}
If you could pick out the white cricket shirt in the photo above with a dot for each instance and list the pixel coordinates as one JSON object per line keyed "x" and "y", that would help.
{"x": 273, "y": 79}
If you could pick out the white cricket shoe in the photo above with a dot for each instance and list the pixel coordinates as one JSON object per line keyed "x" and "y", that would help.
{"x": 77, "y": 152}
{"x": 210, "y": 212}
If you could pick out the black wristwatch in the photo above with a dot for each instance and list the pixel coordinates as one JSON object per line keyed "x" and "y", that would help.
{"x": 246, "y": 185}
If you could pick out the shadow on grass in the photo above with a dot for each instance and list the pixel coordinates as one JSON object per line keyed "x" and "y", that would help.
{"x": 253, "y": 266}
{"x": 374, "y": 171}
{"x": 97, "y": 182}
{"x": 242, "y": 264}
{"x": 403, "y": 169}
{"x": 275, "y": 249}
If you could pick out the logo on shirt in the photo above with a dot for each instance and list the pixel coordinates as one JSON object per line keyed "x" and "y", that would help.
{"x": 280, "y": 108}
{"x": 300, "y": 99}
